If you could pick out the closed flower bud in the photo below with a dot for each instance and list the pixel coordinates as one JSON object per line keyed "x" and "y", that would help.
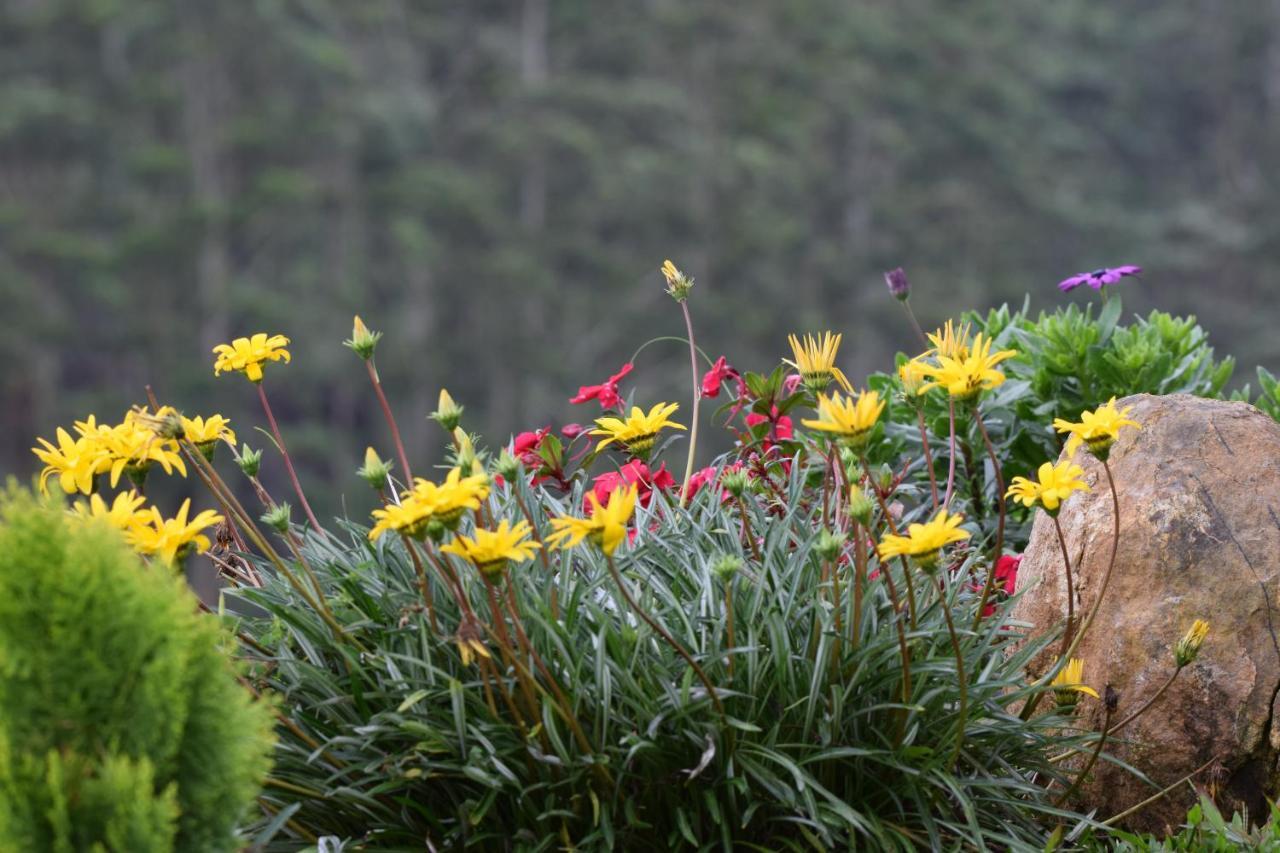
{"x": 884, "y": 478}
{"x": 899, "y": 287}
{"x": 1186, "y": 649}
{"x": 250, "y": 460}
{"x": 678, "y": 284}
{"x": 828, "y": 545}
{"x": 1110, "y": 699}
{"x": 860, "y": 506}
{"x": 726, "y": 566}
{"x": 363, "y": 342}
{"x": 735, "y": 482}
{"x": 375, "y": 471}
{"x": 507, "y": 466}
{"x": 277, "y": 517}
{"x": 447, "y": 413}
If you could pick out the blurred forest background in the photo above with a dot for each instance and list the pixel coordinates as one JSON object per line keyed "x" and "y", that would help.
{"x": 495, "y": 184}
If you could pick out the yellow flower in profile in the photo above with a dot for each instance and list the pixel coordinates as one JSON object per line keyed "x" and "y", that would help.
{"x": 815, "y": 361}
{"x": 951, "y": 341}
{"x": 171, "y": 539}
{"x": 923, "y": 541}
{"x": 1053, "y": 485}
{"x": 913, "y": 377}
{"x": 849, "y": 419}
{"x": 133, "y": 446}
{"x": 409, "y": 517}
{"x": 446, "y": 501}
{"x": 605, "y": 527}
{"x": 1098, "y": 429}
{"x": 639, "y": 431}
{"x": 1069, "y": 683}
{"x": 1186, "y": 649}
{"x": 492, "y": 550}
{"x": 75, "y": 462}
{"x": 124, "y": 513}
{"x": 247, "y": 355}
{"x": 965, "y": 376}
{"x": 205, "y": 432}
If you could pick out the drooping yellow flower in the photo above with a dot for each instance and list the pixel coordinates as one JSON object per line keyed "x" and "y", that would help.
{"x": 1186, "y": 649}
{"x": 1053, "y": 485}
{"x": 204, "y": 432}
{"x": 605, "y": 527}
{"x": 133, "y": 446}
{"x": 1098, "y": 429}
{"x": 849, "y": 419}
{"x": 249, "y": 354}
{"x": 967, "y": 375}
{"x": 124, "y": 513}
{"x": 639, "y": 431}
{"x": 815, "y": 361}
{"x": 951, "y": 341}
{"x": 924, "y": 541}
{"x": 470, "y": 641}
{"x": 75, "y": 462}
{"x": 171, "y": 539}
{"x": 492, "y": 550}
{"x": 1069, "y": 683}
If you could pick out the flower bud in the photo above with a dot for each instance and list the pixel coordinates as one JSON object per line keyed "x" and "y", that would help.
{"x": 363, "y": 342}
{"x": 726, "y": 566}
{"x": 1186, "y": 649}
{"x": 375, "y": 471}
{"x": 860, "y": 506}
{"x": 828, "y": 545}
{"x": 735, "y": 482}
{"x": 678, "y": 284}
{"x": 447, "y": 412}
{"x": 249, "y": 460}
{"x": 277, "y": 517}
{"x": 507, "y": 466}
{"x": 899, "y": 287}
{"x": 884, "y": 479}
{"x": 465, "y": 456}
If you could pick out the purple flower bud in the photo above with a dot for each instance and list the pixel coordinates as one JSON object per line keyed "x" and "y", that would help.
{"x": 898, "y": 284}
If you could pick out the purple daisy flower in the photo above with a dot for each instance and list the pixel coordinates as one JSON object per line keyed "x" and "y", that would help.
{"x": 1098, "y": 279}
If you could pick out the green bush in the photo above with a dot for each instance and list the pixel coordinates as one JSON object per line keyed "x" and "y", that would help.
{"x": 1205, "y": 830}
{"x": 122, "y": 726}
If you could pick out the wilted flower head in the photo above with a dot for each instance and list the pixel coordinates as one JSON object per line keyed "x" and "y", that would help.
{"x": 1069, "y": 684}
{"x": 899, "y": 287}
{"x": 1099, "y": 278}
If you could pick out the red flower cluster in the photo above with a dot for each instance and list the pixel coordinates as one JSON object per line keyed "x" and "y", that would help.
{"x": 605, "y": 393}
{"x": 716, "y": 376}
{"x": 636, "y": 472}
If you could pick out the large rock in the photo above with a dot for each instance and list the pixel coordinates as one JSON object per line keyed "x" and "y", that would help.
{"x": 1199, "y": 490}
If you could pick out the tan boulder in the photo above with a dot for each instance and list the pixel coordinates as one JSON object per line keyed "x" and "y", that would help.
{"x": 1199, "y": 491}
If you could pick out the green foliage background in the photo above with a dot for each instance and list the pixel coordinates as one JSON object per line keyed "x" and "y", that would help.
{"x": 495, "y": 184}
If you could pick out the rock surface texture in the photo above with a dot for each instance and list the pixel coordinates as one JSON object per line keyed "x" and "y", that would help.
{"x": 1199, "y": 491}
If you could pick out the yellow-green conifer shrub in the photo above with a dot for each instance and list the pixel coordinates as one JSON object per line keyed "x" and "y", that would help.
{"x": 122, "y": 726}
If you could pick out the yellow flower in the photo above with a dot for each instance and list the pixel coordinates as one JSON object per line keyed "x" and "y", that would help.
{"x": 966, "y": 375}
{"x": 913, "y": 376}
{"x": 1098, "y": 429}
{"x": 409, "y": 517}
{"x": 133, "y": 446}
{"x": 1054, "y": 484}
{"x": 491, "y": 550}
{"x": 815, "y": 361}
{"x": 639, "y": 431}
{"x": 1186, "y": 649}
{"x": 951, "y": 342}
{"x": 605, "y": 527}
{"x": 470, "y": 641}
{"x": 249, "y": 354}
{"x": 75, "y": 462}
{"x": 203, "y": 432}
{"x": 171, "y": 539}
{"x": 1069, "y": 683}
{"x": 125, "y": 512}
{"x": 924, "y": 541}
{"x": 850, "y": 420}
{"x": 678, "y": 284}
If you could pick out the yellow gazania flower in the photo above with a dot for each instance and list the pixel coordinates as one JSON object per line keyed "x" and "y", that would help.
{"x": 1098, "y": 429}
{"x": 248, "y": 354}
{"x": 605, "y": 527}
{"x": 1054, "y": 484}
{"x": 815, "y": 361}
{"x": 171, "y": 539}
{"x": 849, "y": 419}
{"x": 75, "y": 462}
{"x": 447, "y": 501}
{"x": 951, "y": 341}
{"x": 133, "y": 447}
{"x": 965, "y": 376}
{"x": 639, "y": 431}
{"x": 491, "y": 550}
{"x": 913, "y": 377}
{"x": 409, "y": 517}
{"x": 924, "y": 541}
{"x": 203, "y": 432}
{"x": 1186, "y": 649}
{"x": 1069, "y": 683}
{"x": 125, "y": 512}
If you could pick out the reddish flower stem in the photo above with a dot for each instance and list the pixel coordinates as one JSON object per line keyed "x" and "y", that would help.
{"x": 391, "y": 421}
{"x": 1071, "y": 596}
{"x": 288, "y": 463}
{"x": 928, "y": 458}
{"x": 990, "y": 585}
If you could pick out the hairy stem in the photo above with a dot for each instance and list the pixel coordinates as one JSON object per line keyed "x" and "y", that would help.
{"x": 391, "y": 421}
{"x": 288, "y": 463}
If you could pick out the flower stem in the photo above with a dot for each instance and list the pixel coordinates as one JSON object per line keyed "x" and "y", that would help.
{"x": 951, "y": 468}
{"x": 728, "y": 617}
{"x": 391, "y": 421}
{"x": 288, "y": 463}
{"x": 859, "y": 581}
{"x": 697, "y": 399}
{"x": 1071, "y": 595}
{"x": 915, "y": 324}
{"x": 962, "y": 682}
{"x": 928, "y": 458}
{"x": 1093, "y": 759}
{"x": 1147, "y": 704}
{"x": 671, "y": 641}
{"x": 1106, "y": 579}
{"x": 996, "y": 554}
{"x": 423, "y": 584}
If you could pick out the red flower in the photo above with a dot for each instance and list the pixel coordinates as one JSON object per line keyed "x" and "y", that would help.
{"x": 719, "y": 372}
{"x": 780, "y": 426}
{"x": 700, "y": 479}
{"x": 606, "y": 393}
{"x": 526, "y": 445}
{"x": 636, "y": 472}
{"x": 1006, "y": 580}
